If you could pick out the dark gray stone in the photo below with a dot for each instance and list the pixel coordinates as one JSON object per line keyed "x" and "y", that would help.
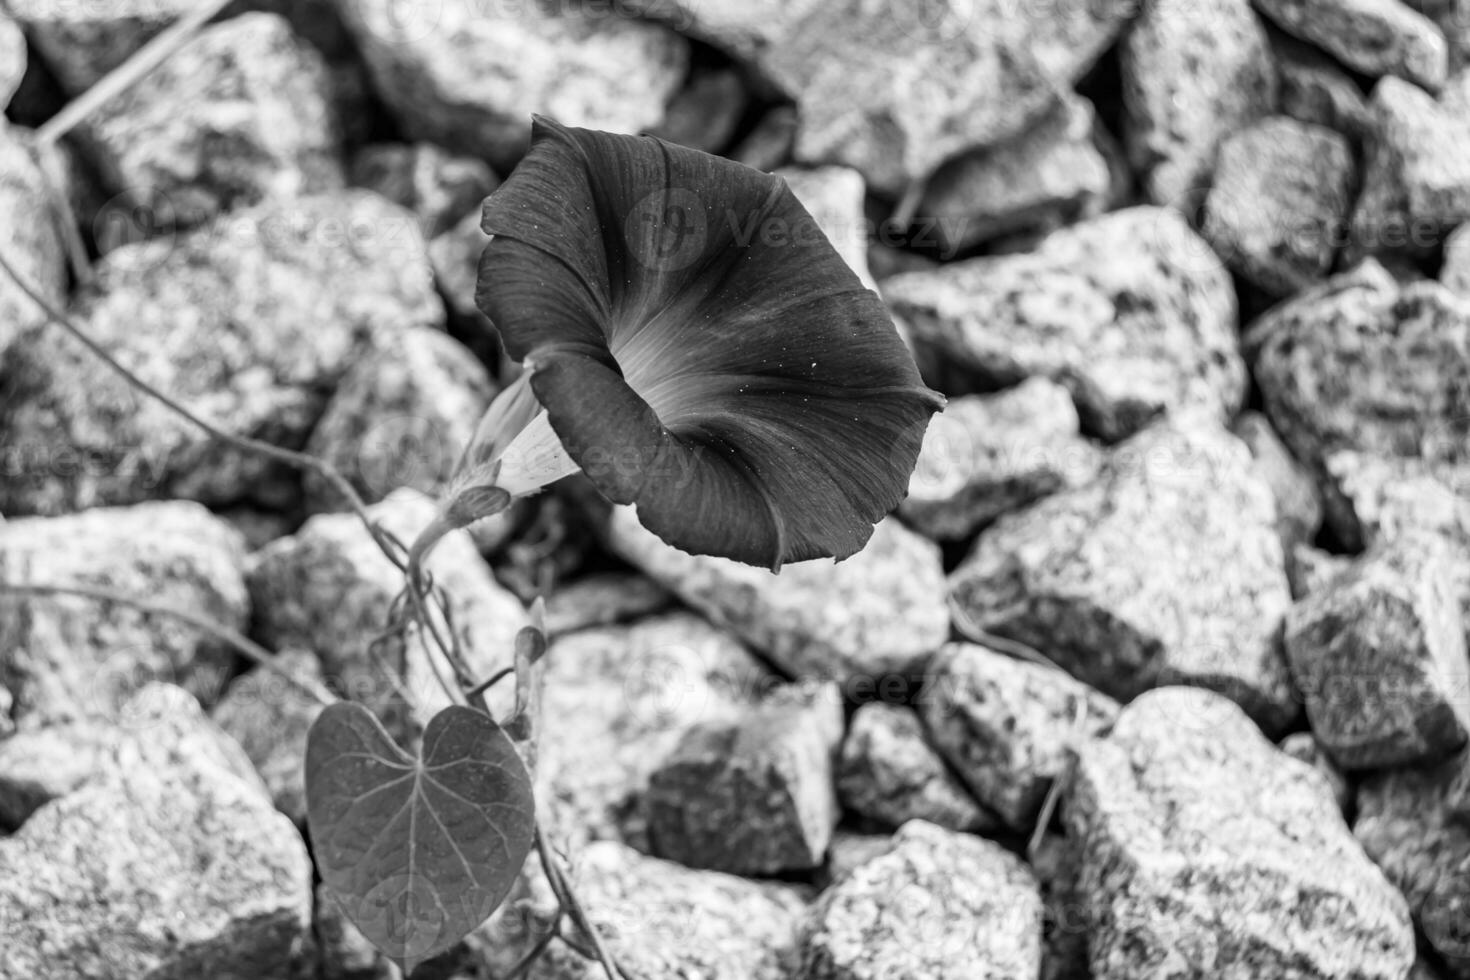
{"x": 439, "y": 187}
{"x": 1315, "y": 89}
{"x": 1205, "y": 852}
{"x": 604, "y": 599}
{"x": 706, "y": 113}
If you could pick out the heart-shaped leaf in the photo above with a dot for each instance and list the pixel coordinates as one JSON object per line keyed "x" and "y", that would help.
{"x": 418, "y": 852}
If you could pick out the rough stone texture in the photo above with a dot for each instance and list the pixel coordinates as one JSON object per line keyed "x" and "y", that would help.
{"x": 1304, "y": 747}
{"x": 1192, "y": 75}
{"x": 752, "y": 795}
{"x": 1205, "y": 852}
{"x": 888, "y": 773}
{"x": 270, "y": 718}
{"x": 1131, "y": 311}
{"x": 469, "y": 76}
{"x": 1416, "y": 171}
{"x": 1315, "y": 89}
{"x": 987, "y": 455}
{"x": 1281, "y": 196}
{"x": 435, "y": 185}
{"x": 1167, "y": 569}
{"x": 249, "y": 322}
{"x": 658, "y": 919}
{"x": 12, "y": 59}
{"x": 1363, "y": 363}
{"x": 329, "y": 589}
{"x": 1380, "y": 656}
{"x": 834, "y": 196}
{"x": 1375, "y": 37}
{"x": 240, "y": 113}
{"x": 168, "y": 864}
{"x": 67, "y": 658}
{"x": 1382, "y": 499}
{"x": 1455, "y": 273}
{"x": 342, "y": 950}
{"x": 1041, "y": 179}
{"x": 622, "y": 698}
{"x": 602, "y": 600}
{"x": 455, "y": 256}
{"x": 30, "y": 238}
{"x": 850, "y": 851}
{"x": 1312, "y": 569}
{"x": 937, "y": 904}
{"x": 880, "y": 611}
{"x": 400, "y": 417}
{"x": 1298, "y": 501}
{"x": 1008, "y": 726}
{"x": 1413, "y": 822}
{"x": 706, "y": 112}
{"x": 1055, "y": 860}
{"x": 81, "y": 42}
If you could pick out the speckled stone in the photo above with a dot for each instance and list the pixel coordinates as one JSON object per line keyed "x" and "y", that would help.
{"x": 1415, "y": 822}
{"x": 937, "y": 904}
{"x": 1312, "y": 569}
{"x": 81, "y": 42}
{"x": 889, "y": 774}
{"x": 249, "y": 321}
{"x": 623, "y": 697}
{"x": 1304, "y": 747}
{"x": 1380, "y": 656}
{"x": 1131, "y": 311}
{"x": 270, "y": 719}
{"x": 469, "y": 76}
{"x": 67, "y": 658}
{"x": 880, "y": 611}
{"x": 987, "y": 455}
{"x": 240, "y": 113}
{"x": 1167, "y": 569}
{"x": 1455, "y": 272}
{"x": 107, "y": 880}
{"x": 1363, "y": 363}
{"x": 1374, "y": 37}
{"x": 658, "y": 919}
{"x": 835, "y": 196}
{"x": 1280, "y": 201}
{"x": 1046, "y": 176}
{"x": 751, "y": 795}
{"x": 1192, "y": 75}
{"x": 1298, "y": 500}
{"x": 1207, "y": 852}
{"x": 400, "y": 417}
{"x": 1008, "y": 726}
{"x": 31, "y": 240}
{"x": 1416, "y": 171}
{"x": 1315, "y": 89}
{"x": 329, "y": 589}
{"x": 439, "y": 187}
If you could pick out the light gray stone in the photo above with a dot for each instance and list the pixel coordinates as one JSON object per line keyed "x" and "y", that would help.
{"x": 1315, "y": 89}
{"x": 1131, "y": 311}
{"x": 159, "y": 868}
{"x": 81, "y": 42}
{"x": 13, "y": 58}
{"x": 32, "y": 242}
{"x": 880, "y": 611}
{"x": 469, "y": 76}
{"x": 987, "y": 455}
{"x": 423, "y": 178}
{"x": 1455, "y": 273}
{"x": 1192, "y": 75}
{"x": 249, "y": 321}
{"x": 1167, "y": 569}
{"x": 1280, "y": 201}
{"x": 1379, "y": 654}
{"x": 240, "y": 113}
{"x": 1304, "y": 747}
{"x": 834, "y": 196}
{"x": 1007, "y": 726}
{"x": 1374, "y": 37}
{"x": 1205, "y": 852}
{"x": 623, "y": 697}
{"x": 66, "y": 658}
{"x": 888, "y": 773}
{"x": 401, "y": 417}
{"x": 1415, "y": 822}
{"x": 1298, "y": 500}
{"x": 752, "y": 795}
{"x": 937, "y": 904}
{"x": 1043, "y": 178}
{"x": 1312, "y": 569}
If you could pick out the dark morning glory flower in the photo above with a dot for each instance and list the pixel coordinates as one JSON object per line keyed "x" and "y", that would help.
{"x": 696, "y": 346}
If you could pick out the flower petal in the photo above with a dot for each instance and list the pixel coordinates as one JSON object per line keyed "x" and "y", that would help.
{"x": 700, "y": 348}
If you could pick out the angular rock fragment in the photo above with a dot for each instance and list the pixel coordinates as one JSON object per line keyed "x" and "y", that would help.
{"x": 706, "y": 113}
{"x": 834, "y": 196}
{"x": 880, "y": 611}
{"x": 1315, "y": 89}
{"x": 752, "y": 795}
{"x": 12, "y": 59}
{"x": 1298, "y": 500}
{"x": 1206, "y": 852}
{"x": 437, "y": 186}
{"x": 1374, "y": 37}
{"x": 1131, "y": 311}
{"x": 1304, "y": 747}
{"x": 32, "y": 243}
{"x": 604, "y": 599}
{"x": 81, "y": 42}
